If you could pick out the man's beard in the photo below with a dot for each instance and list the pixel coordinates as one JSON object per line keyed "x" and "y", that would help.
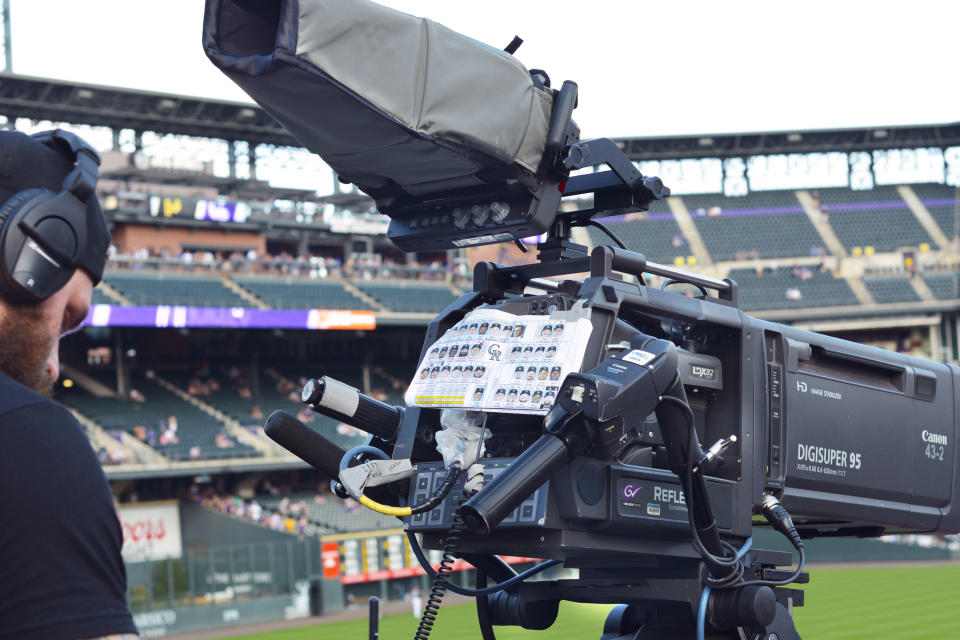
{"x": 24, "y": 348}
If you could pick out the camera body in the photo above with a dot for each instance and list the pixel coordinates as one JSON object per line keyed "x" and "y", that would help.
{"x": 854, "y": 440}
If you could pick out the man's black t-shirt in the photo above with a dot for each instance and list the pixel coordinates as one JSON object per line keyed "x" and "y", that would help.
{"x": 61, "y": 574}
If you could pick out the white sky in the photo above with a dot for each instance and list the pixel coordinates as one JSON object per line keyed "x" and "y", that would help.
{"x": 644, "y": 68}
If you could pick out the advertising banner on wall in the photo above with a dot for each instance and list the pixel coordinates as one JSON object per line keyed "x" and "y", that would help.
{"x": 151, "y": 531}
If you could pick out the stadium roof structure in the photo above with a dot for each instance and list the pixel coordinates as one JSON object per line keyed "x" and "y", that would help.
{"x": 119, "y": 108}
{"x": 241, "y": 188}
{"x": 738, "y": 145}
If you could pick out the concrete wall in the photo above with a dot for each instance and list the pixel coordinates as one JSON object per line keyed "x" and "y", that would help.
{"x": 130, "y": 237}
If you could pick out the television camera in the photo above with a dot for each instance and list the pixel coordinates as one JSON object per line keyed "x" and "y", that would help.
{"x": 680, "y": 424}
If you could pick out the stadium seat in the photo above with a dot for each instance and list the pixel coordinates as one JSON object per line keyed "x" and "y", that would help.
{"x": 878, "y": 218}
{"x": 769, "y": 291}
{"x": 946, "y": 286}
{"x": 335, "y": 514}
{"x": 290, "y": 293}
{"x": 653, "y": 236}
{"x": 891, "y": 289}
{"x": 762, "y": 224}
{"x": 99, "y": 297}
{"x": 943, "y": 203}
{"x": 195, "y": 428}
{"x": 174, "y": 289}
{"x": 403, "y": 297}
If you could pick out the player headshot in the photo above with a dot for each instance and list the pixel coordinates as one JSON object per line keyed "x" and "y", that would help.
{"x": 516, "y": 352}
{"x": 551, "y": 352}
{"x": 464, "y": 350}
{"x": 555, "y": 373}
{"x": 531, "y": 373}
{"x": 456, "y": 371}
{"x": 557, "y": 330}
{"x": 507, "y": 330}
{"x": 462, "y": 330}
{"x": 542, "y": 373}
{"x": 548, "y": 398}
{"x": 518, "y": 331}
{"x": 475, "y": 349}
{"x": 546, "y": 332}
{"x": 518, "y": 373}
{"x": 495, "y": 330}
{"x": 500, "y": 395}
{"x": 424, "y": 373}
{"x": 467, "y": 372}
{"x": 483, "y": 328}
{"x": 433, "y": 352}
{"x": 473, "y": 329}
{"x": 537, "y": 397}
{"x": 512, "y": 396}
{"x": 445, "y": 372}
{"x": 538, "y": 352}
{"x": 434, "y": 373}
{"x": 442, "y": 354}
{"x": 479, "y": 371}
{"x": 525, "y": 396}
{"x": 527, "y": 353}
{"x": 478, "y": 394}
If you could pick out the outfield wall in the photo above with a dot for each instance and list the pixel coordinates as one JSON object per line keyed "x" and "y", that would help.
{"x": 265, "y": 575}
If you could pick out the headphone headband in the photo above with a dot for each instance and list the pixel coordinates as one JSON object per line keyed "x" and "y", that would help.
{"x": 82, "y": 181}
{"x": 44, "y": 234}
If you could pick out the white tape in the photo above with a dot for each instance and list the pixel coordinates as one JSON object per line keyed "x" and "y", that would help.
{"x": 340, "y": 397}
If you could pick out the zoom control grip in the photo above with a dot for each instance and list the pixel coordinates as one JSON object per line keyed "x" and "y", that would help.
{"x": 344, "y": 403}
{"x": 516, "y": 483}
{"x": 304, "y": 442}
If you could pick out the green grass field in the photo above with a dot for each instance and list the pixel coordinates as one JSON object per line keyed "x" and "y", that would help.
{"x": 877, "y": 603}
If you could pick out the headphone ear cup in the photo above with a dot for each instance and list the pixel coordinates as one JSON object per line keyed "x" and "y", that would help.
{"x": 8, "y": 221}
{"x": 15, "y": 201}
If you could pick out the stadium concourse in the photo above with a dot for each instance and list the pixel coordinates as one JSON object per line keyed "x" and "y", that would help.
{"x": 224, "y": 293}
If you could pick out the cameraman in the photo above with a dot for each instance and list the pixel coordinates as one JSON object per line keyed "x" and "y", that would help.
{"x": 61, "y": 574}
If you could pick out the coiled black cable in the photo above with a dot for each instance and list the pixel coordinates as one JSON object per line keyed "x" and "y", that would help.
{"x": 439, "y": 587}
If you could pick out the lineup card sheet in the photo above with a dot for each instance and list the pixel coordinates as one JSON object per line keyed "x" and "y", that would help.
{"x": 501, "y": 362}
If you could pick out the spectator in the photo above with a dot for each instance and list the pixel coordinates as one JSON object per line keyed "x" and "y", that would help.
{"x": 255, "y": 511}
{"x": 223, "y": 441}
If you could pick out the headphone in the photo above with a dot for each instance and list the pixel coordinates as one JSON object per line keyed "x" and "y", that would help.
{"x": 44, "y": 232}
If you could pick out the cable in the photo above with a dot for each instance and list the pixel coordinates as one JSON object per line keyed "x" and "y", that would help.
{"x": 483, "y": 608}
{"x": 667, "y": 283}
{"x": 473, "y": 593}
{"x": 613, "y": 236}
{"x": 779, "y": 583}
{"x": 429, "y": 615}
{"x": 389, "y": 510}
{"x": 705, "y": 594}
{"x": 692, "y": 446}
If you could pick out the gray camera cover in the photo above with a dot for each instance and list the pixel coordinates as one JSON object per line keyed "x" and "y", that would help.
{"x": 384, "y": 97}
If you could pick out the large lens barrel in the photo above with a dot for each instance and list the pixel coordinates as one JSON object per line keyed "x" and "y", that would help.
{"x": 532, "y": 468}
